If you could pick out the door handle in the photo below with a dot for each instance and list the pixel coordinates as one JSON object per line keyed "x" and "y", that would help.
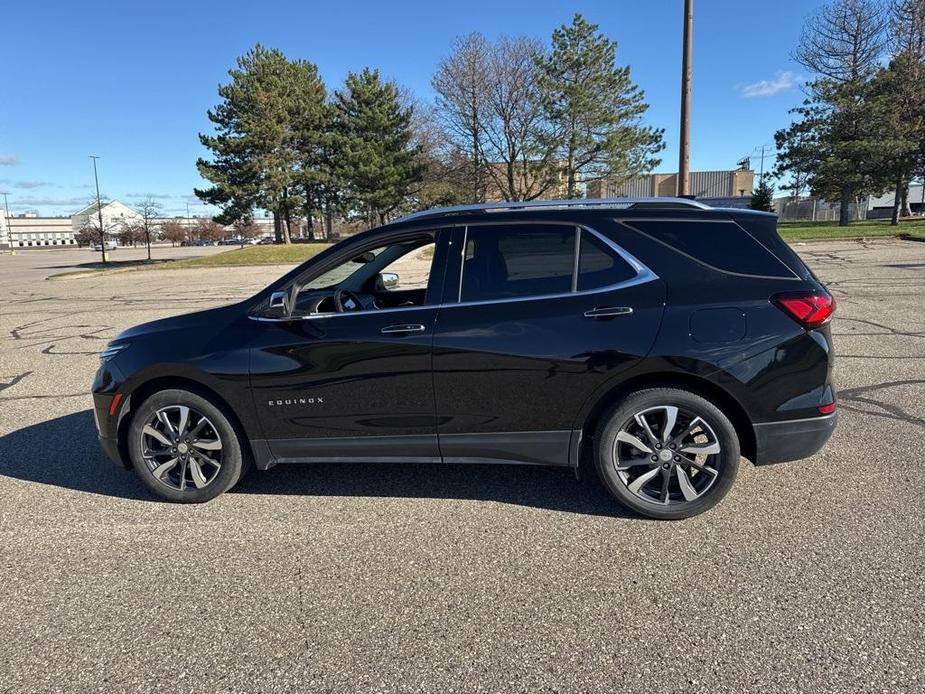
{"x": 402, "y": 329}
{"x": 608, "y": 311}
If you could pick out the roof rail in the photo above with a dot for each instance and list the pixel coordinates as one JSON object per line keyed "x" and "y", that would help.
{"x": 610, "y": 203}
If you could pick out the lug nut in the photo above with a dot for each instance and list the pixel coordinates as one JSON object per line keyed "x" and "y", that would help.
{"x": 677, "y": 458}
{"x": 658, "y": 445}
{"x": 672, "y": 446}
{"x": 654, "y": 458}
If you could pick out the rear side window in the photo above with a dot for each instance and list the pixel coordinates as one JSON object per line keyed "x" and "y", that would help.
{"x": 722, "y": 245}
{"x": 509, "y": 262}
{"x": 599, "y": 265}
{"x": 503, "y": 262}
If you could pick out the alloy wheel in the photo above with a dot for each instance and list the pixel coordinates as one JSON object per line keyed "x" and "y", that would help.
{"x": 667, "y": 455}
{"x": 181, "y": 448}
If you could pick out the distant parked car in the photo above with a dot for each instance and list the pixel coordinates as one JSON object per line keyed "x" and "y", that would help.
{"x": 110, "y": 246}
{"x": 265, "y": 242}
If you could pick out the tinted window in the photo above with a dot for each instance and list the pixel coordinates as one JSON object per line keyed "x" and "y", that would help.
{"x": 504, "y": 262}
{"x": 599, "y": 265}
{"x": 723, "y": 245}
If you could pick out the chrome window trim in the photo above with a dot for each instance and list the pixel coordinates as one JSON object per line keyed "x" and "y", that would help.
{"x": 643, "y": 275}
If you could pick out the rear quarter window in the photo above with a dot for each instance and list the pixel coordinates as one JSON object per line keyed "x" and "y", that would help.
{"x": 724, "y": 246}
{"x": 600, "y": 266}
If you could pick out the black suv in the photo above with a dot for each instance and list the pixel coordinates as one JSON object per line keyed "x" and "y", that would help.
{"x": 657, "y": 339}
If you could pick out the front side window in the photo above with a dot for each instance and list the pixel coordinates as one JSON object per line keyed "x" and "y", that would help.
{"x": 393, "y": 275}
{"x": 504, "y": 262}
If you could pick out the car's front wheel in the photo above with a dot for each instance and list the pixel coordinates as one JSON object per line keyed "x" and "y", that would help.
{"x": 667, "y": 453}
{"x": 183, "y": 447}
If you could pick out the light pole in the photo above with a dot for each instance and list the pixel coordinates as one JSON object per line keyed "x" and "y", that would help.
{"x": 189, "y": 225}
{"x": 99, "y": 209}
{"x": 9, "y": 229}
{"x": 686, "y": 70}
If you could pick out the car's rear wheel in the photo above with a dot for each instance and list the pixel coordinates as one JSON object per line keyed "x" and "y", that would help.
{"x": 183, "y": 447}
{"x": 667, "y": 453}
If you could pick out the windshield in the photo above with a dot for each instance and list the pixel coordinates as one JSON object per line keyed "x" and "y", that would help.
{"x": 338, "y": 274}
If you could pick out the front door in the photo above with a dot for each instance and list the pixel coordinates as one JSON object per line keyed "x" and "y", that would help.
{"x": 544, "y": 316}
{"x": 348, "y": 378}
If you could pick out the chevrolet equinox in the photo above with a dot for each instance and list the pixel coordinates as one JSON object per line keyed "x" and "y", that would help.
{"x": 657, "y": 339}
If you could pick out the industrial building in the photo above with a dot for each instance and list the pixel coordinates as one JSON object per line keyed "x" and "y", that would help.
{"x": 736, "y": 183}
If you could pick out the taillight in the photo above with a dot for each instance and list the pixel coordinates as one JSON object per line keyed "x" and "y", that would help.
{"x": 809, "y": 309}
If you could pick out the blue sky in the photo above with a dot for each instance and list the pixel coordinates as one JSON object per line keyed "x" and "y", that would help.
{"x": 131, "y": 82}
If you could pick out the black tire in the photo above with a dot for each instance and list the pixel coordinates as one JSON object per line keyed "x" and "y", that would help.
{"x": 233, "y": 461}
{"x": 621, "y": 464}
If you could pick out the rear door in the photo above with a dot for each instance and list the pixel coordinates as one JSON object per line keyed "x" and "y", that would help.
{"x": 537, "y": 317}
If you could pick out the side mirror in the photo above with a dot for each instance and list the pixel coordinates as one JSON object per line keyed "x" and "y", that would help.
{"x": 389, "y": 280}
{"x": 279, "y": 305}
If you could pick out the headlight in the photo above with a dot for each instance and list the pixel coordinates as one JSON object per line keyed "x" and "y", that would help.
{"x": 111, "y": 351}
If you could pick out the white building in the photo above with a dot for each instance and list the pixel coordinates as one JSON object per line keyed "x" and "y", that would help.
{"x": 28, "y": 230}
{"x": 115, "y": 217}
{"x": 31, "y": 230}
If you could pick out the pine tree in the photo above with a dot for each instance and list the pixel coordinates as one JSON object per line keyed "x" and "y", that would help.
{"x": 255, "y": 148}
{"x": 763, "y": 196}
{"x": 378, "y": 163}
{"x": 841, "y": 140}
{"x": 594, "y": 108}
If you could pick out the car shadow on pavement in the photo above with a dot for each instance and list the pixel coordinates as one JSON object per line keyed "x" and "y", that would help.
{"x": 555, "y": 489}
{"x": 64, "y": 452}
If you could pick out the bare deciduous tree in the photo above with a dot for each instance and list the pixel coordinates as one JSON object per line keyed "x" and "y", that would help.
{"x": 245, "y": 229}
{"x": 843, "y": 41}
{"x": 209, "y": 230}
{"x": 148, "y": 210}
{"x": 907, "y": 28}
{"x": 520, "y": 158}
{"x": 175, "y": 232}
{"x": 461, "y": 86}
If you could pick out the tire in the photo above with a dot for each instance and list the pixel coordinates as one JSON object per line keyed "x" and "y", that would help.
{"x": 700, "y": 468}
{"x": 210, "y": 439}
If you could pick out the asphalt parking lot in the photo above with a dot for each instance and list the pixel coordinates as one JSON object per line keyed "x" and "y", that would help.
{"x": 808, "y": 577}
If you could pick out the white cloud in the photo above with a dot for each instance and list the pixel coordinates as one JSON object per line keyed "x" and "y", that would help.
{"x": 31, "y": 202}
{"x": 8, "y": 160}
{"x": 155, "y": 196}
{"x": 783, "y": 81}
{"x": 27, "y": 185}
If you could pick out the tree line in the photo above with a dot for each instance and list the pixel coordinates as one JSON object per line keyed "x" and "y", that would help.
{"x": 513, "y": 119}
{"x": 861, "y": 130}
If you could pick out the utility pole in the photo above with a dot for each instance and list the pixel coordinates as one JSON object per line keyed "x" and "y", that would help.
{"x": 686, "y": 70}
{"x": 99, "y": 209}
{"x": 761, "y": 171}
